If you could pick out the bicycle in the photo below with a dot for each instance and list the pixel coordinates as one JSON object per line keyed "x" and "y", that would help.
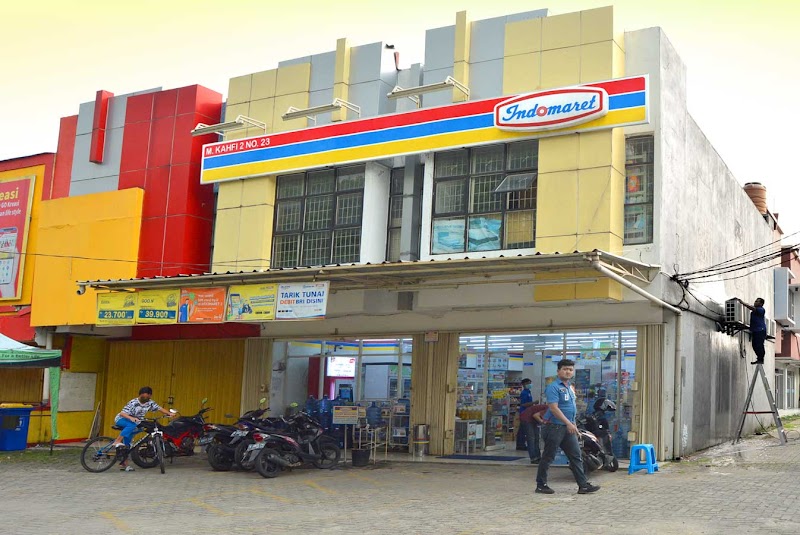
{"x": 99, "y": 454}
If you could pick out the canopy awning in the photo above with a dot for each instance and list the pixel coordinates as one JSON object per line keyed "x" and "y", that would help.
{"x": 15, "y": 354}
{"x": 404, "y": 275}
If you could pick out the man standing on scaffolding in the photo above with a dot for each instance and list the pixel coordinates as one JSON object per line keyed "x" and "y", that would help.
{"x": 758, "y": 329}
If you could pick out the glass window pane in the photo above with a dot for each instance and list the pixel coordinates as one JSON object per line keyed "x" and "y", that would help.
{"x": 396, "y": 211}
{"x": 393, "y": 254}
{"x": 316, "y": 248}
{"x": 517, "y": 182}
{"x": 638, "y": 223}
{"x": 523, "y": 155}
{"x": 488, "y": 159}
{"x": 523, "y": 200}
{"x": 448, "y": 235}
{"x": 350, "y": 178}
{"x": 349, "y": 209}
{"x": 320, "y": 182}
{"x": 347, "y": 246}
{"x": 286, "y": 251}
{"x": 484, "y": 232}
{"x": 639, "y": 183}
{"x": 520, "y": 229}
{"x": 288, "y": 216}
{"x": 484, "y": 199}
{"x": 398, "y": 177}
{"x": 290, "y": 186}
{"x": 319, "y": 212}
{"x": 451, "y": 163}
{"x": 450, "y": 197}
{"x": 639, "y": 150}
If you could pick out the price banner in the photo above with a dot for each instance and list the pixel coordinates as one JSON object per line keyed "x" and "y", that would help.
{"x": 158, "y": 307}
{"x": 115, "y": 309}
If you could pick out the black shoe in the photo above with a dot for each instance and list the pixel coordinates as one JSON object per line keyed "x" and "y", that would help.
{"x": 757, "y": 362}
{"x": 544, "y": 489}
{"x": 535, "y": 461}
{"x": 588, "y": 489}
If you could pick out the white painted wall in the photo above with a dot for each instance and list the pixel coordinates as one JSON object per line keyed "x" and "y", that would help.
{"x": 375, "y": 219}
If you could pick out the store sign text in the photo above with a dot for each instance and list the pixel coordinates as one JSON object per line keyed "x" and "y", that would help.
{"x": 547, "y": 110}
{"x": 236, "y": 146}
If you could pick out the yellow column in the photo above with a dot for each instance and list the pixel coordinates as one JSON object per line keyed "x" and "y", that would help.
{"x": 341, "y": 77}
{"x": 580, "y": 197}
{"x": 461, "y": 56}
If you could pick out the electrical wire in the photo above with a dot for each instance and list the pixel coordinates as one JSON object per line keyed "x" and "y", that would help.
{"x": 734, "y": 267}
{"x": 722, "y": 264}
{"x": 739, "y": 276}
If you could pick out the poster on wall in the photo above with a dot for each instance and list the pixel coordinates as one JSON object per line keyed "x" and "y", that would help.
{"x": 251, "y": 302}
{"x": 448, "y": 236}
{"x": 302, "y": 301}
{"x": 202, "y": 305}
{"x": 158, "y": 307}
{"x": 484, "y": 233}
{"x": 117, "y": 309}
{"x": 15, "y": 208}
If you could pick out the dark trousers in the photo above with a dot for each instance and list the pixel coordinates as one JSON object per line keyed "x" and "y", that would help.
{"x": 555, "y": 436}
{"x": 758, "y": 338}
{"x": 531, "y": 432}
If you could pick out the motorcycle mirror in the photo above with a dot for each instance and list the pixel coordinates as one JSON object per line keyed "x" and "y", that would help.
{"x": 204, "y": 401}
{"x": 262, "y": 401}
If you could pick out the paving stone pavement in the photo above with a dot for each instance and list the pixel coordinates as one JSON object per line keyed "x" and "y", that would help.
{"x": 740, "y": 489}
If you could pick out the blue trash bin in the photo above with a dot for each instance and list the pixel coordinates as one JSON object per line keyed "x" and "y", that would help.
{"x": 14, "y": 428}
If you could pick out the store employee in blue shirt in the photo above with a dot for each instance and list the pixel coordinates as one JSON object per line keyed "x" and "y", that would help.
{"x": 560, "y": 431}
{"x": 758, "y": 329}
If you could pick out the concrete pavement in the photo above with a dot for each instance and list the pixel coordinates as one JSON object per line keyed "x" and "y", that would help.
{"x": 728, "y": 490}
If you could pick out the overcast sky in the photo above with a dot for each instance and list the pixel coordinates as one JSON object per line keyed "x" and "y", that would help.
{"x": 743, "y": 59}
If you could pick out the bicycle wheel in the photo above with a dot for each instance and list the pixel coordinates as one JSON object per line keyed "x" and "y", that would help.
{"x": 99, "y": 455}
{"x": 158, "y": 444}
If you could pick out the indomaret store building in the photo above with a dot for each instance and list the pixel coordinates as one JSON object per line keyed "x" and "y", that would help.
{"x": 439, "y": 233}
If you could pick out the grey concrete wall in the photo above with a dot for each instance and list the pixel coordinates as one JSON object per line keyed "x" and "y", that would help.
{"x": 702, "y": 217}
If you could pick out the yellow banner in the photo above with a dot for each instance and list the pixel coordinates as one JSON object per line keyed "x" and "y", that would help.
{"x": 117, "y": 308}
{"x": 158, "y": 307}
{"x": 251, "y": 302}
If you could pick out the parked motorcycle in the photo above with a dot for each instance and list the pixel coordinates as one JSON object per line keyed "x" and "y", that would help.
{"x": 596, "y": 445}
{"x": 302, "y": 443}
{"x": 227, "y": 444}
{"x": 179, "y": 440}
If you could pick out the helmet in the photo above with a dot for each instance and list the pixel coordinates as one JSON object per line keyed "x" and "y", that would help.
{"x": 604, "y": 405}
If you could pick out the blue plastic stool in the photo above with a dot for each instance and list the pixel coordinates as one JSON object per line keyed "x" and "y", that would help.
{"x": 649, "y": 463}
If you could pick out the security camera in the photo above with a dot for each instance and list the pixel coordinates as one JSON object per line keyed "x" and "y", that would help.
{"x": 81, "y": 289}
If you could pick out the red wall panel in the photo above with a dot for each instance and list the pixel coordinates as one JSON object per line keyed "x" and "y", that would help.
{"x": 59, "y": 187}
{"x": 135, "y": 146}
{"x": 139, "y": 108}
{"x": 97, "y": 147}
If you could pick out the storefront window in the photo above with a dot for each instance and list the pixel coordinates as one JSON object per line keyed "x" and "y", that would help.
{"x": 492, "y": 367}
{"x": 318, "y": 217}
{"x": 395, "y": 215}
{"x": 639, "y": 189}
{"x": 485, "y": 198}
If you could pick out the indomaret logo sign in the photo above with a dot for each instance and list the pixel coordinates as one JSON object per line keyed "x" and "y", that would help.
{"x": 551, "y": 109}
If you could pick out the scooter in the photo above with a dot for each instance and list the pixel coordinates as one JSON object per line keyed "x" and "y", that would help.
{"x": 596, "y": 446}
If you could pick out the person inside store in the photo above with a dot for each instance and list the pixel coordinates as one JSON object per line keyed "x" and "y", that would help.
{"x": 525, "y": 401}
{"x": 560, "y": 430}
{"x": 131, "y": 415}
{"x": 758, "y": 329}
{"x": 530, "y": 419}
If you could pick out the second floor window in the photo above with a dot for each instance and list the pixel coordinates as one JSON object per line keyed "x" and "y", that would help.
{"x": 395, "y": 215}
{"x": 318, "y": 218}
{"x": 638, "y": 190}
{"x": 485, "y": 198}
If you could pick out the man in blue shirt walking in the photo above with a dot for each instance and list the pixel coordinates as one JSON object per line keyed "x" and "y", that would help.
{"x": 758, "y": 329}
{"x": 560, "y": 431}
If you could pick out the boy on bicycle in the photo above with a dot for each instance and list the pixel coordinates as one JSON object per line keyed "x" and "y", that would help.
{"x": 131, "y": 415}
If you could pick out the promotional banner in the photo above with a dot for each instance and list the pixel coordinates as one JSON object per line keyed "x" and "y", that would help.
{"x": 158, "y": 307}
{"x": 302, "y": 301}
{"x": 251, "y": 302}
{"x": 202, "y": 305}
{"x": 15, "y": 208}
{"x": 115, "y": 309}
